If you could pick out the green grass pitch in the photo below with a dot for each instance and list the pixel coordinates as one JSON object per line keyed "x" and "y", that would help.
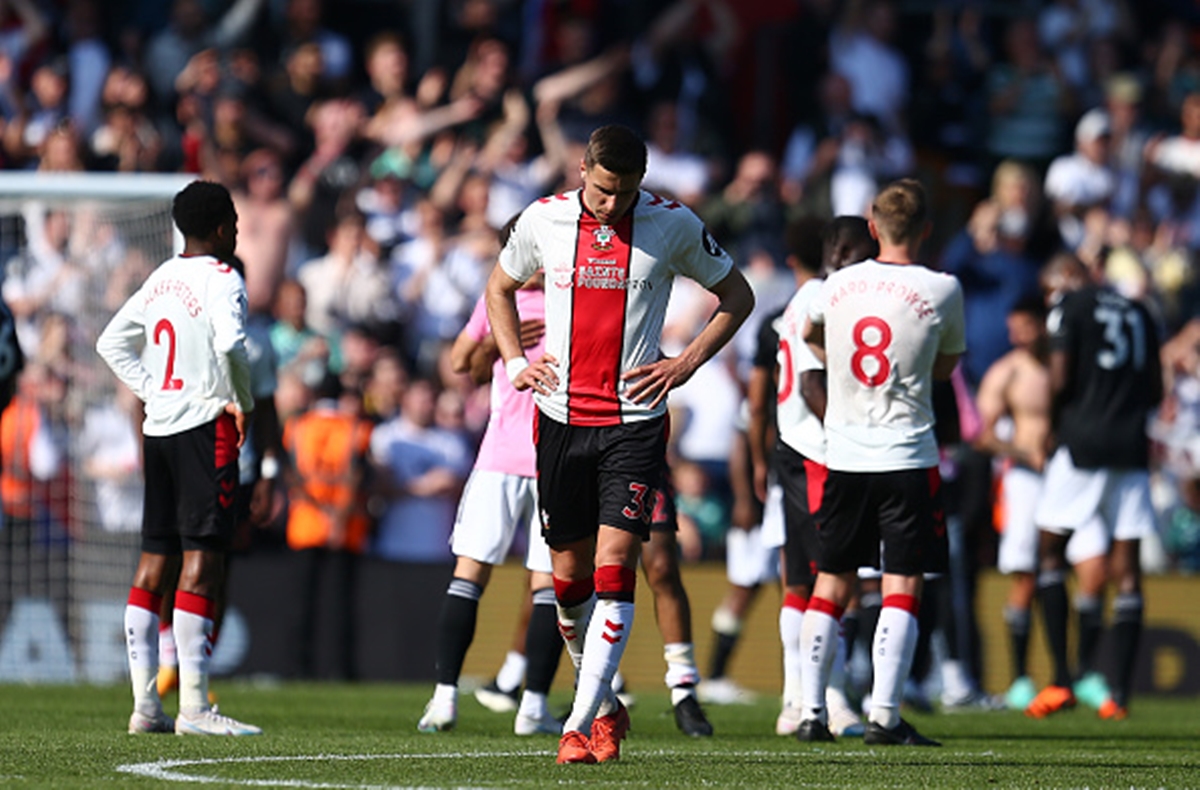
{"x": 364, "y": 736}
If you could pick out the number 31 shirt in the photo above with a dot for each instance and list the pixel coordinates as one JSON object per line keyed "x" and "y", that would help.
{"x": 189, "y": 318}
{"x": 885, "y": 324}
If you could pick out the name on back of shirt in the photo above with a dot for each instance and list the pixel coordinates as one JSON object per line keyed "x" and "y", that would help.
{"x": 180, "y": 291}
{"x": 904, "y": 293}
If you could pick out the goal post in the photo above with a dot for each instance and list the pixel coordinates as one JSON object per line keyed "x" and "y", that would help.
{"x": 73, "y": 247}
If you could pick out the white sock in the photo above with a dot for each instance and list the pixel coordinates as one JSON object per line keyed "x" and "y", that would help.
{"x": 837, "y": 672}
{"x": 682, "y": 673}
{"x": 193, "y": 626}
{"x": 818, "y": 644}
{"x": 167, "y": 656}
{"x": 533, "y": 705}
{"x": 512, "y": 674}
{"x": 607, "y": 635}
{"x": 141, "y": 647}
{"x": 892, "y": 652}
{"x": 573, "y": 623}
{"x": 791, "y": 622}
{"x": 445, "y": 694}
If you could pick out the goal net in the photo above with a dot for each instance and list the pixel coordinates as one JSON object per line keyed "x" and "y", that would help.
{"x": 73, "y": 247}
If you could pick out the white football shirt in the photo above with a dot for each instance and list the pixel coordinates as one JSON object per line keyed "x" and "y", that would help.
{"x": 189, "y": 318}
{"x": 885, "y": 324}
{"x": 799, "y": 428}
{"x": 607, "y": 289}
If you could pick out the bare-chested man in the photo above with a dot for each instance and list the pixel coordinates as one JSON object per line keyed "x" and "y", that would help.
{"x": 265, "y": 223}
{"x": 1014, "y": 405}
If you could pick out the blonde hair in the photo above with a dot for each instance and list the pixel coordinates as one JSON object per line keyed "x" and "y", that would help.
{"x": 899, "y": 211}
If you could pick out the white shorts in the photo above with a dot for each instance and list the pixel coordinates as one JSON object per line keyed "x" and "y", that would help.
{"x": 747, "y": 561}
{"x": 1071, "y": 497}
{"x": 774, "y": 528}
{"x": 494, "y": 505}
{"x": 1022, "y": 492}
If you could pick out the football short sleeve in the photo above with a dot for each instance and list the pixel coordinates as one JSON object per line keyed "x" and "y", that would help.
{"x": 698, "y": 255}
{"x": 520, "y": 259}
{"x": 954, "y": 334}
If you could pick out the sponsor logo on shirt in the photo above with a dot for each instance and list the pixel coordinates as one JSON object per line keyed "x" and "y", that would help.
{"x": 710, "y": 244}
{"x": 603, "y": 274}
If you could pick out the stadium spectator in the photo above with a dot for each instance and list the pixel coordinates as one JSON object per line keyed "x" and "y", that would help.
{"x": 1027, "y": 102}
{"x": 327, "y": 461}
{"x": 748, "y": 214}
{"x": 995, "y": 259}
{"x": 168, "y": 51}
{"x": 1082, "y": 180}
{"x": 420, "y": 472}
{"x": 349, "y": 285}
{"x": 861, "y": 50}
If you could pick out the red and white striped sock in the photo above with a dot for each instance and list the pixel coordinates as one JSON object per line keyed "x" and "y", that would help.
{"x": 194, "y": 641}
{"x": 141, "y": 647}
{"x": 892, "y": 655}
{"x": 791, "y": 622}
{"x": 818, "y": 645}
{"x": 607, "y": 636}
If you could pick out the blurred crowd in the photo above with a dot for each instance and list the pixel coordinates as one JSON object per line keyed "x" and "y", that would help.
{"x": 375, "y": 149}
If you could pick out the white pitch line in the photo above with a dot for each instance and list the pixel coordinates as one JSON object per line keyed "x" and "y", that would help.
{"x": 165, "y": 770}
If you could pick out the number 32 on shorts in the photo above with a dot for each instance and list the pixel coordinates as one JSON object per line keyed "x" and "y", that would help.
{"x": 869, "y": 364}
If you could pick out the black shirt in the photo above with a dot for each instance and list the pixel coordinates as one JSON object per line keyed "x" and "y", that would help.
{"x": 1113, "y": 381}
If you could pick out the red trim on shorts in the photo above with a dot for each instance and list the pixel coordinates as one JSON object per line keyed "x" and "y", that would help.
{"x": 569, "y": 593}
{"x": 615, "y": 579}
{"x": 226, "y": 450}
{"x": 795, "y": 601}
{"x": 599, "y": 301}
{"x": 144, "y": 599}
{"x": 909, "y": 603}
{"x": 815, "y": 475}
{"x": 195, "y": 604}
{"x": 826, "y": 606}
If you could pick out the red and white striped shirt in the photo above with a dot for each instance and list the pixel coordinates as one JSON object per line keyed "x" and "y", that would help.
{"x": 607, "y": 289}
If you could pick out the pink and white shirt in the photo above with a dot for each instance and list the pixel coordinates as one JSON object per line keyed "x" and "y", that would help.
{"x": 189, "y": 321}
{"x": 507, "y": 444}
{"x": 607, "y": 289}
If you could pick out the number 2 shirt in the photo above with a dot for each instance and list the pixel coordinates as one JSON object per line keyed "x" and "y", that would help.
{"x": 189, "y": 318}
{"x": 885, "y": 324}
{"x": 1113, "y": 377}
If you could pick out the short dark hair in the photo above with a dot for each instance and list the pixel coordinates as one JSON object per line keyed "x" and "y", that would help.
{"x": 1031, "y": 304}
{"x": 899, "y": 211}
{"x": 617, "y": 149}
{"x": 803, "y": 239}
{"x": 847, "y": 240}
{"x": 201, "y": 207}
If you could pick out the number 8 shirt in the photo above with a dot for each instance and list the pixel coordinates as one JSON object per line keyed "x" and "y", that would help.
{"x": 885, "y": 324}
{"x": 190, "y": 316}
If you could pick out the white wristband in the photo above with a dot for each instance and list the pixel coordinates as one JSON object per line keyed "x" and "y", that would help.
{"x": 514, "y": 366}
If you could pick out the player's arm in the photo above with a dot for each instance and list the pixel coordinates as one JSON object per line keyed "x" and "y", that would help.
{"x": 944, "y": 365}
{"x": 652, "y": 382}
{"x": 463, "y": 356}
{"x": 501, "y": 294}
{"x": 814, "y": 336}
{"x": 814, "y": 391}
{"x": 117, "y": 346}
{"x": 758, "y": 390}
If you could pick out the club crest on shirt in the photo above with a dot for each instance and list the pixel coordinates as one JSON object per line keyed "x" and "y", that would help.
{"x": 603, "y": 236}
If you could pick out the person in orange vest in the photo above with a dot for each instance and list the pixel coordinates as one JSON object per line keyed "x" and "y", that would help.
{"x": 326, "y": 451}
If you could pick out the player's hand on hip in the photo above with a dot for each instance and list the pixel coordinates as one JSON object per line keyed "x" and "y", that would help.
{"x": 239, "y": 420}
{"x": 539, "y": 376}
{"x": 532, "y": 330}
{"x": 652, "y": 382}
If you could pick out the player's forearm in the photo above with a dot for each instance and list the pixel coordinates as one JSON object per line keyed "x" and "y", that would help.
{"x": 737, "y": 300}
{"x": 116, "y": 348}
{"x": 756, "y": 426}
{"x": 502, "y": 315}
{"x": 237, "y": 364}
